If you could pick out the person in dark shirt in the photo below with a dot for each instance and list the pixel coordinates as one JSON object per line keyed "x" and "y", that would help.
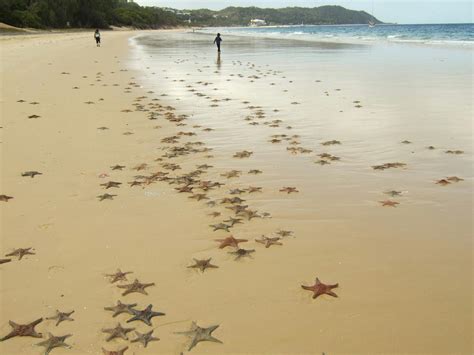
{"x": 218, "y": 41}
{"x": 97, "y": 37}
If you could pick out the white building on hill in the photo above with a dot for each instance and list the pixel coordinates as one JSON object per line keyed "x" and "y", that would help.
{"x": 257, "y": 22}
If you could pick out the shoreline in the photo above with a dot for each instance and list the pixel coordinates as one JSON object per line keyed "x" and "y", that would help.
{"x": 154, "y": 231}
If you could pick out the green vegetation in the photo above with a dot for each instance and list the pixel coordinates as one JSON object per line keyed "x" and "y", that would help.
{"x": 83, "y": 13}
{"x": 105, "y": 13}
{"x": 241, "y": 16}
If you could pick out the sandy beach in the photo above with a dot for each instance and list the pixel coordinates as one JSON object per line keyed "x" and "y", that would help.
{"x": 359, "y": 159}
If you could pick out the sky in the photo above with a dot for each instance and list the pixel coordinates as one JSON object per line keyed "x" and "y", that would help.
{"x": 399, "y": 11}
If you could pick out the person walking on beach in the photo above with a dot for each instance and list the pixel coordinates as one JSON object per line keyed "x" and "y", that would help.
{"x": 218, "y": 41}
{"x": 97, "y": 37}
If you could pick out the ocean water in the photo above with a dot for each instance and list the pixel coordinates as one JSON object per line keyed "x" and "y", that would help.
{"x": 438, "y": 34}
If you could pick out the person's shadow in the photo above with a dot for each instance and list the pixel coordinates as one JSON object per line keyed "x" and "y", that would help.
{"x": 219, "y": 61}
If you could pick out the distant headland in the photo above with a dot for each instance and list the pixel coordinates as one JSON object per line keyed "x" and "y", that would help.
{"x": 104, "y": 13}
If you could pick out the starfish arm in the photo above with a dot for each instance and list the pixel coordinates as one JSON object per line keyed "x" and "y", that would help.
{"x": 8, "y": 336}
{"x": 330, "y": 293}
{"x": 317, "y": 281}
{"x": 193, "y": 343}
{"x": 333, "y": 286}
{"x": 214, "y": 340}
{"x": 316, "y": 295}
{"x": 309, "y": 288}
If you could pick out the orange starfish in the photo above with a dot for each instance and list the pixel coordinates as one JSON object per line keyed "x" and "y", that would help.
{"x": 230, "y": 242}
{"x": 389, "y": 203}
{"x": 320, "y": 289}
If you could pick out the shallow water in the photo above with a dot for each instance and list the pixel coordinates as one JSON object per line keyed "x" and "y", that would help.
{"x": 400, "y": 256}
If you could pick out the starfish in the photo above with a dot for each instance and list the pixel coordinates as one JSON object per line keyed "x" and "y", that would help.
{"x": 443, "y": 182}
{"x": 284, "y": 233}
{"x": 199, "y": 197}
{"x": 406, "y": 142}
{"x": 289, "y": 190}
{"x": 231, "y": 174}
{"x": 320, "y": 289}
{"x": 233, "y": 221}
{"x": 454, "y": 179}
{"x": 199, "y": 334}
{"x": 121, "y": 308}
{"x": 136, "y": 286}
{"x": 140, "y": 167}
{"x": 236, "y": 191}
{"x": 20, "y": 252}
{"x": 106, "y": 197}
{"x": 145, "y": 315}
{"x": 117, "y": 332}
{"x": 333, "y": 142}
{"x": 54, "y": 342}
{"x": 61, "y": 317}
{"x": 117, "y": 167}
{"x": 33, "y": 116}
{"x": 454, "y": 152}
{"x": 103, "y": 128}
{"x": 5, "y": 198}
{"x": 389, "y": 203}
{"x": 203, "y": 264}
{"x": 252, "y": 189}
{"x": 236, "y": 200}
{"x": 31, "y": 174}
{"x": 240, "y": 253}
{"x": 188, "y": 189}
{"x": 249, "y": 214}
{"x": 135, "y": 183}
{"x": 20, "y": 330}
{"x": 110, "y": 184}
{"x": 393, "y": 193}
{"x": 118, "y": 276}
{"x": 112, "y": 352}
{"x": 230, "y": 242}
{"x": 269, "y": 241}
{"x": 220, "y": 226}
{"x": 144, "y": 339}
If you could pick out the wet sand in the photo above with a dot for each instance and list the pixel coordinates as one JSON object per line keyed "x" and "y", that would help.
{"x": 404, "y": 272}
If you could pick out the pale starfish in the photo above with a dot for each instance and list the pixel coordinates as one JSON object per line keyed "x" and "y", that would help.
{"x": 221, "y": 226}
{"x": 136, "y": 286}
{"x": 118, "y": 276}
{"x": 117, "y": 332}
{"x": 55, "y": 342}
{"x": 120, "y": 308}
{"x": 115, "y": 352}
{"x": 269, "y": 241}
{"x": 203, "y": 264}
{"x": 199, "y": 334}
{"x": 61, "y": 317}
{"x": 144, "y": 338}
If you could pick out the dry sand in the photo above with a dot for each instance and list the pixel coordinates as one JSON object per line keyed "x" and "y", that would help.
{"x": 397, "y": 294}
